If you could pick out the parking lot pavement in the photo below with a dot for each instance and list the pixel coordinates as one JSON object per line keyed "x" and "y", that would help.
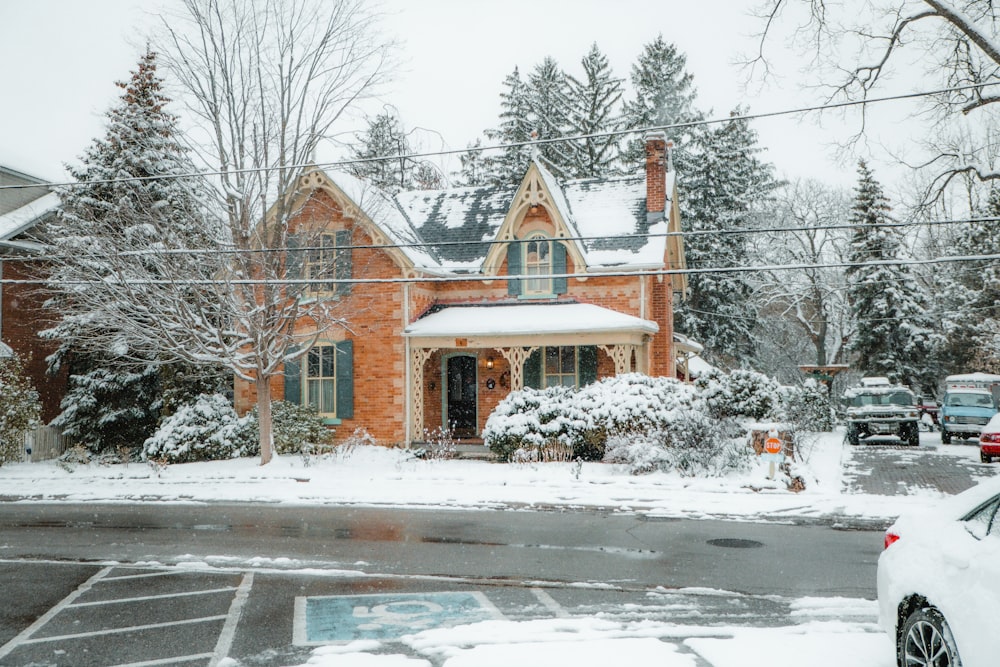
{"x": 142, "y": 616}
{"x": 887, "y": 468}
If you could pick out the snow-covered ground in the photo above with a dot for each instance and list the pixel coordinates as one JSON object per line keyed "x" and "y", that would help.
{"x": 820, "y": 632}
{"x": 394, "y": 477}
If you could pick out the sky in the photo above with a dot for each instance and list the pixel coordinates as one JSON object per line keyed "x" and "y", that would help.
{"x": 62, "y": 58}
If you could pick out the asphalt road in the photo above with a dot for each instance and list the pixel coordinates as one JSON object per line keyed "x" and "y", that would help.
{"x": 182, "y": 584}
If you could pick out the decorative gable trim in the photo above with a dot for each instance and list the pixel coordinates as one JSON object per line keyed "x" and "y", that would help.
{"x": 532, "y": 192}
{"x": 316, "y": 180}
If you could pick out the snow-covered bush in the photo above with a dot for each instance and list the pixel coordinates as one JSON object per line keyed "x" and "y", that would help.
{"x": 205, "y": 430}
{"x": 740, "y": 393}
{"x": 808, "y": 407}
{"x": 292, "y": 427}
{"x": 19, "y": 408}
{"x": 640, "y": 453}
{"x": 527, "y": 422}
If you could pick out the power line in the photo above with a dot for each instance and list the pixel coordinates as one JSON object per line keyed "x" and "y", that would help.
{"x": 430, "y": 247}
{"x": 277, "y": 282}
{"x": 521, "y": 144}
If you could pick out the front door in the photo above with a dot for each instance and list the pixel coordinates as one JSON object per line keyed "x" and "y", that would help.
{"x": 461, "y": 398}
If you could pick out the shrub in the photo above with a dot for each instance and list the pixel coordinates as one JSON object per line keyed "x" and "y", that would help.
{"x": 808, "y": 407}
{"x": 740, "y": 393}
{"x": 19, "y": 408}
{"x": 207, "y": 429}
{"x": 292, "y": 427}
{"x": 527, "y": 422}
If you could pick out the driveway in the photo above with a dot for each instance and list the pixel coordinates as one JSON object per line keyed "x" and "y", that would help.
{"x": 887, "y": 468}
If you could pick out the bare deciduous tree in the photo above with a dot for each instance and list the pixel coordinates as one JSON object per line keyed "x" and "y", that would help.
{"x": 859, "y": 47}
{"x": 265, "y": 80}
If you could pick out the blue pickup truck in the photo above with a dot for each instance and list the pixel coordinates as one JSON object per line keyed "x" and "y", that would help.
{"x": 969, "y": 402}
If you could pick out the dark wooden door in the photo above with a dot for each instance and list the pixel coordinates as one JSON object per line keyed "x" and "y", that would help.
{"x": 461, "y": 396}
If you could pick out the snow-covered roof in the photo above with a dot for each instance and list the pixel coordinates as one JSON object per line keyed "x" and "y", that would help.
{"x": 452, "y": 229}
{"x": 20, "y": 219}
{"x": 530, "y": 319}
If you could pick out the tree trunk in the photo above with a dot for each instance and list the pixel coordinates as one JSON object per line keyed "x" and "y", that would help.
{"x": 264, "y": 420}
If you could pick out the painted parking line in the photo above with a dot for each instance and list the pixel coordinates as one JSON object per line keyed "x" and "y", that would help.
{"x": 345, "y": 618}
{"x": 550, "y": 603}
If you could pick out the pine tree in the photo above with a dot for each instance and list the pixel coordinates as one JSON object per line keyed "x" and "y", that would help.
{"x": 664, "y": 95}
{"x": 114, "y": 395}
{"x": 548, "y": 104}
{"x": 515, "y": 130}
{"x": 725, "y": 186}
{"x": 972, "y": 322}
{"x": 384, "y": 138}
{"x": 594, "y": 109}
{"x": 895, "y": 336}
{"x": 476, "y": 166}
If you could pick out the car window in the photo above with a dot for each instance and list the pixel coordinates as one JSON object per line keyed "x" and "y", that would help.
{"x": 979, "y": 522}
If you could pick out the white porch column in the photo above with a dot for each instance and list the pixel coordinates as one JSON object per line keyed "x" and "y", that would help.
{"x": 418, "y": 357}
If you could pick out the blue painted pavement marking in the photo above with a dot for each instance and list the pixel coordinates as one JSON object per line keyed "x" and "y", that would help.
{"x": 345, "y": 618}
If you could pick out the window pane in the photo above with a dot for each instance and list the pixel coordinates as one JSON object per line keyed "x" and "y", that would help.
{"x": 326, "y": 369}
{"x": 329, "y": 404}
{"x": 312, "y": 389}
{"x": 551, "y": 360}
{"x": 312, "y": 368}
{"x": 568, "y": 364}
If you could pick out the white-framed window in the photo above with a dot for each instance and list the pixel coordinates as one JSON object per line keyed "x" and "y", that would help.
{"x": 320, "y": 262}
{"x": 320, "y": 379}
{"x": 559, "y": 367}
{"x": 538, "y": 263}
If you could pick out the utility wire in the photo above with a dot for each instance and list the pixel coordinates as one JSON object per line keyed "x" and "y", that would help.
{"x": 521, "y": 144}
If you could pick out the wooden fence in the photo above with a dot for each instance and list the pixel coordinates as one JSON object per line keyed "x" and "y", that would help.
{"x": 45, "y": 442}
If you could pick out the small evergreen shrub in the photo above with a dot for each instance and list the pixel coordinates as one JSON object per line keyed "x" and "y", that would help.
{"x": 292, "y": 427}
{"x": 527, "y": 422}
{"x": 740, "y": 393}
{"x": 19, "y": 408}
{"x": 205, "y": 430}
{"x": 808, "y": 407}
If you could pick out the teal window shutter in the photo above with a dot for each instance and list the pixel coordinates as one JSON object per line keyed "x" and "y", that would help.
{"x": 343, "y": 264}
{"x": 293, "y": 260}
{"x": 559, "y": 285}
{"x": 533, "y": 370}
{"x": 587, "y": 360}
{"x": 293, "y": 380}
{"x": 345, "y": 380}
{"x": 515, "y": 267}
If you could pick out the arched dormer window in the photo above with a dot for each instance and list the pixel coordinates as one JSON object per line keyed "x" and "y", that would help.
{"x": 540, "y": 258}
{"x": 538, "y": 262}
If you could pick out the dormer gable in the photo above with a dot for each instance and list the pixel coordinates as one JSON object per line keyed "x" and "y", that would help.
{"x": 539, "y": 198}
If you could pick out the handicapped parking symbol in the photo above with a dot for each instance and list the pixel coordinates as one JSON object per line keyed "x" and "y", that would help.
{"x": 345, "y": 618}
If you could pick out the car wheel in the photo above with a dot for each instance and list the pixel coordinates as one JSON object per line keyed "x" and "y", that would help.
{"x": 945, "y": 437}
{"x": 852, "y": 435}
{"x": 985, "y": 458}
{"x": 926, "y": 641}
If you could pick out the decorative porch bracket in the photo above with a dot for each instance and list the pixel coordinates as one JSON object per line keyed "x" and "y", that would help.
{"x": 516, "y": 356}
{"x": 419, "y": 357}
{"x": 621, "y": 355}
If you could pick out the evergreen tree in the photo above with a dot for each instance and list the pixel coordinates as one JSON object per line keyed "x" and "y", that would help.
{"x": 382, "y": 151}
{"x": 895, "y": 337}
{"x": 514, "y": 131}
{"x": 972, "y": 323}
{"x": 476, "y": 166}
{"x": 594, "y": 109}
{"x": 724, "y": 189}
{"x": 548, "y": 105}
{"x": 664, "y": 95}
{"x": 114, "y": 396}
{"x": 19, "y": 407}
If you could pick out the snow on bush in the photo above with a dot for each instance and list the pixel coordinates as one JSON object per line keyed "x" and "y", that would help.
{"x": 207, "y": 429}
{"x": 19, "y": 408}
{"x": 808, "y": 407}
{"x": 740, "y": 393}
{"x": 293, "y": 427}
{"x": 528, "y": 422}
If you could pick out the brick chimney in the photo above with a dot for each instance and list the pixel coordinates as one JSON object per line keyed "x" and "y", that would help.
{"x": 656, "y": 174}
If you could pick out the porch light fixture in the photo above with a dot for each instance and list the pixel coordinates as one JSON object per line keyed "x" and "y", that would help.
{"x": 489, "y": 363}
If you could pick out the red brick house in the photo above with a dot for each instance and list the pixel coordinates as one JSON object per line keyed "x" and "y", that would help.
{"x": 25, "y": 204}
{"x": 438, "y": 331}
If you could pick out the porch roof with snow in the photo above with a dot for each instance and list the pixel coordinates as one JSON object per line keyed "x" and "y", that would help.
{"x": 503, "y": 325}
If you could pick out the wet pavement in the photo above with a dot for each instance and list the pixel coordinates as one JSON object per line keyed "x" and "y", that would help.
{"x": 888, "y": 468}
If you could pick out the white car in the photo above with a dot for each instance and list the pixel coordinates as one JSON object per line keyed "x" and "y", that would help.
{"x": 939, "y": 582}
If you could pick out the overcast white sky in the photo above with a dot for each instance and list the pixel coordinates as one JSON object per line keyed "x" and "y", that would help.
{"x": 61, "y": 59}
